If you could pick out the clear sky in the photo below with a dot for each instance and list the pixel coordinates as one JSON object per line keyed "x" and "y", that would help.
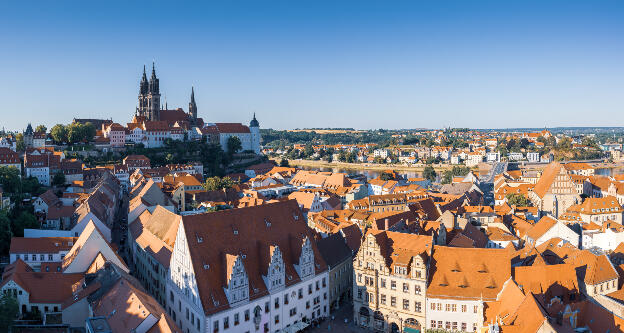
{"x": 362, "y": 64}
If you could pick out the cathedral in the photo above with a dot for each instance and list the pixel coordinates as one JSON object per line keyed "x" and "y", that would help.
{"x": 152, "y": 123}
{"x": 149, "y": 101}
{"x": 149, "y": 97}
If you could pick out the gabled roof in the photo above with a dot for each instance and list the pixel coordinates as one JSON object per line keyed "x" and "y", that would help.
{"x": 249, "y": 232}
{"x": 232, "y": 128}
{"x": 541, "y": 227}
{"x": 41, "y": 244}
{"x": 156, "y": 232}
{"x": 48, "y": 288}
{"x": 49, "y": 197}
{"x": 546, "y": 180}
{"x": 126, "y": 307}
{"x": 548, "y": 280}
{"x": 399, "y": 248}
{"x": 468, "y": 273}
{"x": 334, "y": 249}
{"x": 89, "y": 245}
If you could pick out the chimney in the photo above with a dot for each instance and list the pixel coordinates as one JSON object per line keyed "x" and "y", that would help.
{"x": 386, "y": 223}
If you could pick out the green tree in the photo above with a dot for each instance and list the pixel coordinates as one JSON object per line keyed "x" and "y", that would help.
{"x": 447, "y": 176}
{"x": 517, "y": 199}
{"x": 75, "y": 133}
{"x": 59, "y": 133}
{"x": 234, "y": 145}
{"x": 31, "y": 185}
{"x": 19, "y": 142}
{"x": 88, "y": 132}
{"x": 58, "y": 179}
{"x": 9, "y": 308}
{"x": 429, "y": 173}
{"x": 10, "y": 179}
{"x": 24, "y": 220}
{"x": 5, "y": 233}
{"x": 41, "y": 128}
{"x": 284, "y": 162}
{"x": 386, "y": 176}
{"x": 342, "y": 156}
{"x": 309, "y": 150}
{"x": 564, "y": 144}
{"x": 218, "y": 183}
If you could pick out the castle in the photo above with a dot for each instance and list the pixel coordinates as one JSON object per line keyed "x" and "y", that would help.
{"x": 152, "y": 123}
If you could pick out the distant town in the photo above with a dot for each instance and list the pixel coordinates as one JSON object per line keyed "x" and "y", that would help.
{"x": 172, "y": 223}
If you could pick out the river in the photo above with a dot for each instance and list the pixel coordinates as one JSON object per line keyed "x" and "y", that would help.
{"x": 610, "y": 171}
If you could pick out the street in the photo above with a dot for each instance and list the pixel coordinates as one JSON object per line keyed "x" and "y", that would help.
{"x": 338, "y": 323}
{"x": 119, "y": 231}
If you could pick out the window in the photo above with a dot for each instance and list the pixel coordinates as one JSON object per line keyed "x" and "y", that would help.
{"x": 310, "y": 289}
{"x": 447, "y": 325}
{"x": 50, "y": 257}
{"x": 382, "y": 299}
{"x": 293, "y": 311}
{"x": 418, "y": 307}
{"x": 277, "y": 319}
{"x": 266, "y": 307}
{"x": 226, "y": 323}
{"x": 439, "y": 308}
{"x": 433, "y": 306}
{"x": 476, "y": 309}
{"x": 359, "y": 293}
{"x": 392, "y": 284}
{"x": 463, "y": 308}
{"x": 215, "y": 327}
{"x": 236, "y": 319}
{"x": 454, "y": 326}
{"x": 286, "y": 299}
{"x": 417, "y": 290}
{"x": 463, "y": 327}
{"x": 246, "y": 315}
{"x": 383, "y": 283}
{"x": 277, "y": 303}
{"x": 405, "y": 288}
{"x": 447, "y": 307}
{"x": 405, "y": 304}
{"x": 300, "y": 293}
{"x": 433, "y": 324}
{"x": 393, "y": 301}
{"x": 359, "y": 277}
{"x": 453, "y": 307}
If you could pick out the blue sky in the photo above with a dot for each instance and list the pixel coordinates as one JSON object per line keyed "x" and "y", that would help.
{"x": 362, "y": 64}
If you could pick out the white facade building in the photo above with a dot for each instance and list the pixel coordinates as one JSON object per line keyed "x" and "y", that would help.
{"x": 231, "y": 271}
{"x": 533, "y": 157}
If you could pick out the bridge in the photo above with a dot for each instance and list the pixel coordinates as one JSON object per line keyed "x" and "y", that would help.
{"x": 496, "y": 170}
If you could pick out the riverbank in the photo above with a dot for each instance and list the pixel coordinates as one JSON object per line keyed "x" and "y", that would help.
{"x": 363, "y": 166}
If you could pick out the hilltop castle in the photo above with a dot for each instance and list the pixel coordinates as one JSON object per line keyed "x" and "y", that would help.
{"x": 152, "y": 123}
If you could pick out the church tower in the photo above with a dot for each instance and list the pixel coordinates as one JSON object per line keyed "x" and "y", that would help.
{"x": 254, "y": 128}
{"x": 143, "y": 90}
{"x": 153, "y": 97}
{"x": 192, "y": 110}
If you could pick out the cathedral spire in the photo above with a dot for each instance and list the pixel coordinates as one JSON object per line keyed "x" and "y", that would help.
{"x": 192, "y": 106}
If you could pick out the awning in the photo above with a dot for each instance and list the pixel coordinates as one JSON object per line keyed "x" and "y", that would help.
{"x": 296, "y": 327}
